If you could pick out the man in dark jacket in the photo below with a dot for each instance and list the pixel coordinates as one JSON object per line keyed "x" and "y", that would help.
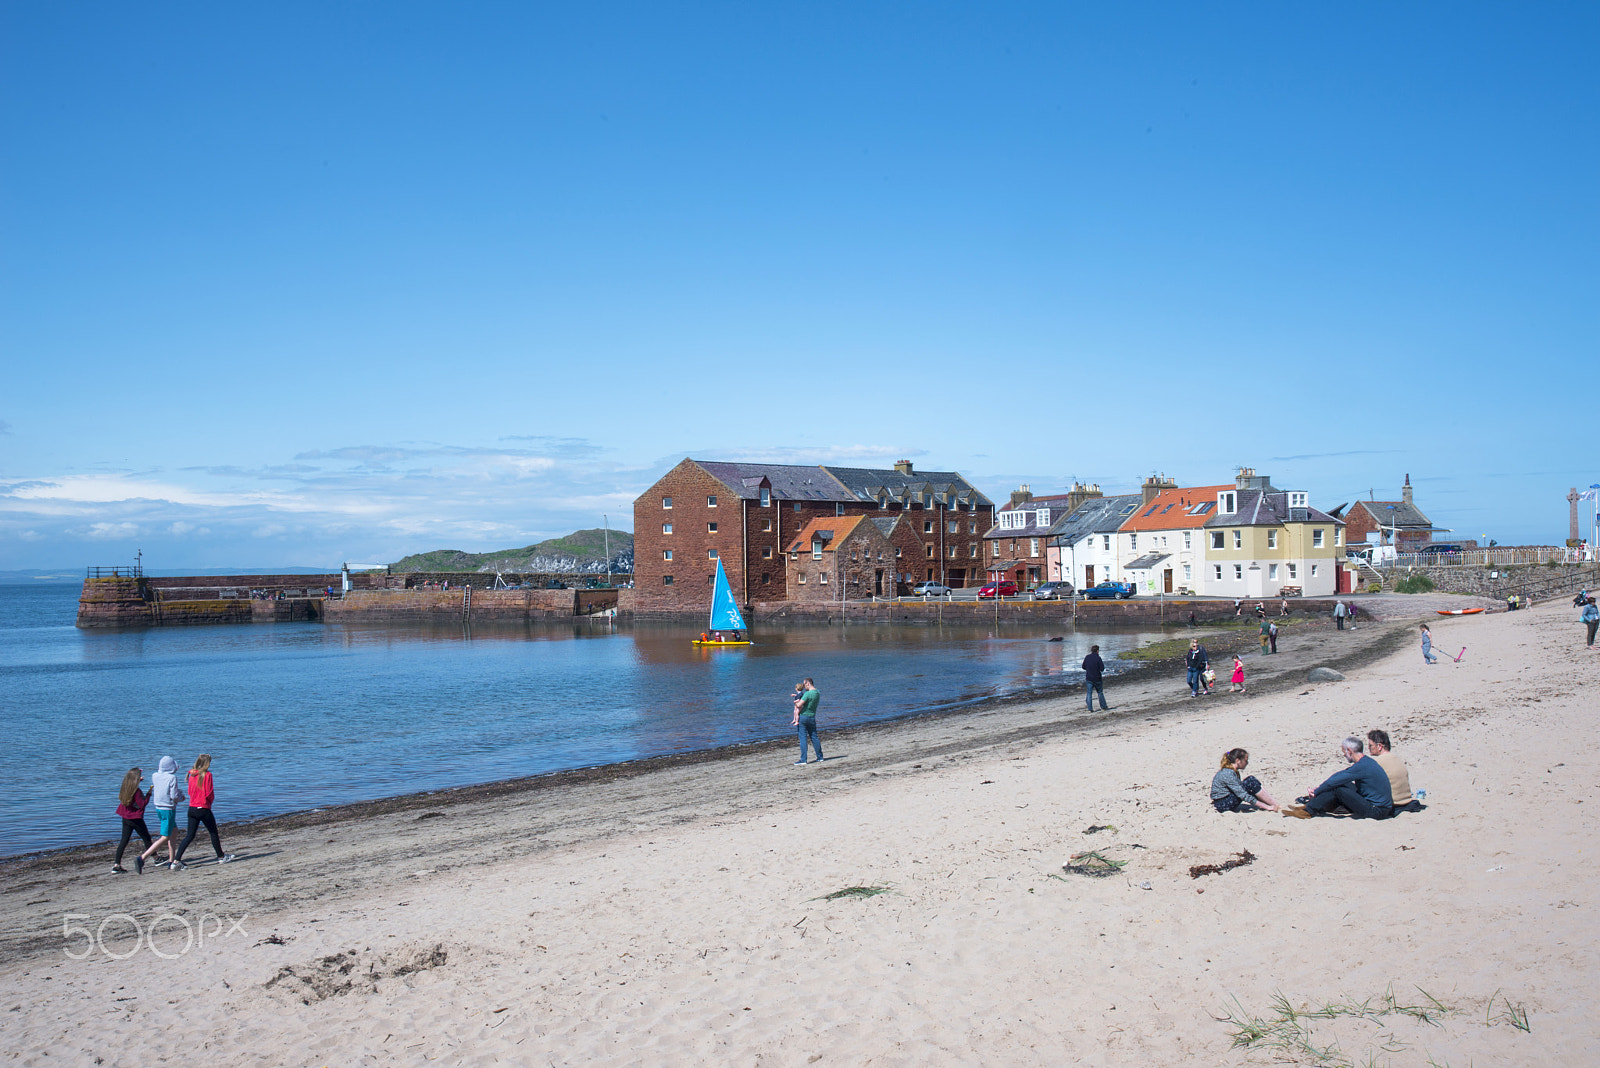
{"x": 1094, "y": 672}
{"x": 1196, "y": 662}
{"x": 1363, "y": 788}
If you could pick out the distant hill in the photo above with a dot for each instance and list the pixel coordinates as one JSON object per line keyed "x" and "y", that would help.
{"x": 580, "y": 551}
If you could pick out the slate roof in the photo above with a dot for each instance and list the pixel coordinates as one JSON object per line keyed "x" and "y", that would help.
{"x": 1097, "y": 515}
{"x": 873, "y": 484}
{"x": 789, "y": 482}
{"x": 1032, "y": 528}
{"x": 1405, "y": 516}
{"x": 1147, "y": 561}
{"x": 1257, "y": 509}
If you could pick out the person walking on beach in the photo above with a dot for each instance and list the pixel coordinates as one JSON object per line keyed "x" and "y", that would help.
{"x": 805, "y": 718}
{"x": 130, "y": 806}
{"x": 1196, "y": 662}
{"x": 1231, "y": 794}
{"x": 1236, "y": 683}
{"x": 1352, "y": 614}
{"x": 1272, "y": 637}
{"x": 1266, "y": 634}
{"x": 1283, "y": 613}
{"x": 1094, "y": 672}
{"x": 201, "y": 793}
{"x": 1427, "y": 645}
{"x": 1590, "y": 617}
{"x": 166, "y": 796}
{"x": 1338, "y": 614}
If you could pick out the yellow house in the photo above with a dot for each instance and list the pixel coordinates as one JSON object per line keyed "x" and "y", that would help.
{"x": 1263, "y": 539}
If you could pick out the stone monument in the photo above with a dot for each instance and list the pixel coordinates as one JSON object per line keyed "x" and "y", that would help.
{"x": 1574, "y": 539}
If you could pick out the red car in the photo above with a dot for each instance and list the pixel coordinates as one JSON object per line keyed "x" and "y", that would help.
{"x": 1002, "y": 589}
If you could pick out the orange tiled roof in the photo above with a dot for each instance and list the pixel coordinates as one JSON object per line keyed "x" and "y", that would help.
{"x": 841, "y": 525}
{"x": 1171, "y": 510}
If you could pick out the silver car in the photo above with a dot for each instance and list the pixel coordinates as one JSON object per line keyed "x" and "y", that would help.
{"x": 929, "y": 589}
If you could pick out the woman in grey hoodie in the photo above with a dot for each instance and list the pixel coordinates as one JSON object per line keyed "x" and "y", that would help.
{"x": 164, "y": 798}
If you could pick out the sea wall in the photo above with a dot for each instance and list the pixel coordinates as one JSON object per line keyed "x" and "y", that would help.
{"x": 1533, "y": 581}
{"x": 466, "y": 604}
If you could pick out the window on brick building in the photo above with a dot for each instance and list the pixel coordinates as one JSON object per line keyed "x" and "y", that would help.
{"x": 822, "y": 578}
{"x": 766, "y": 524}
{"x": 952, "y": 552}
{"x": 897, "y": 552}
{"x": 930, "y": 574}
{"x": 838, "y": 509}
{"x": 927, "y": 526}
{"x": 711, "y": 554}
{"x": 666, "y": 580}
{"x": 953, "y": 527}
{"x": 1216, "y": 540}
{"x": 711, "y": 528}
{"x": 766, "y": 552}
{"x": 711, "y": 579}
{"x": 711, "y": 502}
{"x": 766, "y": 577}
{"x": 972, "y": 550}
{"x": 666, "y": 528}
{"x": 929, "y": 548}
{"x": 1033, "y": 546}
{"x": 766, "y": 497}
{"x": 666, "y": 502}
{"x": 797, "y": 506}
{"x": 802, "y": 578}
{"x": 816, "y": 550}
{"x": 972, "y": 526}
{"x": 666, "y": 554}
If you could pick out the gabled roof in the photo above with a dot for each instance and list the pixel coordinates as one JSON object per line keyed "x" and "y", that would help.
{"x": 1031, "y": 528}
{"x": 1177, "y": 509}
{"x": 831, "y": 530}
{"x": 1256, "y": 509}
{"x": 1404, "y": 517}
{"x": 873, "y": 484}
{"x": 789, "y": 482}
{"x": 1097, "y": 515}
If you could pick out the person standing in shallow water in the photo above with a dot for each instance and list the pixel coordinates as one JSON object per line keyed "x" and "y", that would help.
{"x": 805, "y": 718}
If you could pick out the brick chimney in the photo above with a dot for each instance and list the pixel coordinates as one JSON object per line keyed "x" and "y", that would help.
{"x": 1249, "y": 480}
{"x": 1155, "y": 484}
{"x": 1405, "y": 491}
{"x": 1021, "y": 495}
{"x": 903, "y": 466}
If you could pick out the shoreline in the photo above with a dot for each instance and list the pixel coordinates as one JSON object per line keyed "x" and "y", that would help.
{"x": 1229, "y": 640}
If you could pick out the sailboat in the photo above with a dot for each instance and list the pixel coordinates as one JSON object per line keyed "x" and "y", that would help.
{"x": 725, "y": 614}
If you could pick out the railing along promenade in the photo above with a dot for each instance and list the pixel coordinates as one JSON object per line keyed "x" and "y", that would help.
{"x": 1509, "y": 557}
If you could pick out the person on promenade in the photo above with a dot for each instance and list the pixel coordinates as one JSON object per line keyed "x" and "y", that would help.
{"x": 1266, "y": 634}
{"x": 1231, "y": 794}
{"x": 1283, "y": 613}
{"x": 130, "y": 806}
{"x": 1590, "y": 617}
{"x": 1196, "y": 662}
{"x": 805, "y": 718}
{"x": 1338, "y": 614}
{"x": 1261, "y": 611}
{"x": 1238, "y": 608}
{"x": 1272, "y": 637}
{"x": 166, "y": 796}
{"x": 1395, "y": 768}
{"x": 1236, "y": 683}
{"x": 1094, "y": 673}
{"x": 1427, "y": 645}
{"x": 201, "y": 793}
{"x": 1362, "y": 788}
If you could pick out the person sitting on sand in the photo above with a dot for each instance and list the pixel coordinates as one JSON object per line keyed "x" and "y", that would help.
{"x": 1231, "y": 794}
{"x": 1395, "y": 768}
{"x": 1362, "y": 788}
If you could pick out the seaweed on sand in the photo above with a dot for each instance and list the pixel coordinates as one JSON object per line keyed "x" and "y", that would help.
{"x": 1239, "y": 860}
{"x": 1094, "y": 865}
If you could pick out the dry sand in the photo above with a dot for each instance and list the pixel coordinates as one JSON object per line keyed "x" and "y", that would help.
{"x": 676, "y": 914}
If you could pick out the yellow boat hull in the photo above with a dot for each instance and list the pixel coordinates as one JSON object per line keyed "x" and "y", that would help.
{"x": 697, "y": 641}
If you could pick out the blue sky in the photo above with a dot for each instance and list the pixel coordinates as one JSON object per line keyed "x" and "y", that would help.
{"x": 297, "y": 284}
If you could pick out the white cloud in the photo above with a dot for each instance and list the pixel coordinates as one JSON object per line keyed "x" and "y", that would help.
{"x": 112, "y": 530}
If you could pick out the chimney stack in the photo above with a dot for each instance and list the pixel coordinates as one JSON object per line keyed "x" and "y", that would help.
{"x": 1405, "y": 491}
{"x": 1021, "y": 495}
{"x": 903, "y": 466}
{"x": 1080, "y": 493}
{"x": 1155, "y": 484}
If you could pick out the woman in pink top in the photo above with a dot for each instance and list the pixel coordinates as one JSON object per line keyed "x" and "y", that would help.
{"x": 131, "y": 802}
{"x": 201, "y": 793}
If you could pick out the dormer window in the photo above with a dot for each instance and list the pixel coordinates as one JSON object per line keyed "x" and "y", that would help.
{"x": 766, "y": 497}
{"x": 1042, "y": 517}
{"x": 1225, "y": 503}
{"x": 1298, "y": 500}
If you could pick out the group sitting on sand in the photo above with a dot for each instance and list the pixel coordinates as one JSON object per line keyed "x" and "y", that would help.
{"x": 1374, "y": 786}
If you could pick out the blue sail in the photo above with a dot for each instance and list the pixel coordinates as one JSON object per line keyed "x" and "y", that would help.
{"x": 724, "y": 610}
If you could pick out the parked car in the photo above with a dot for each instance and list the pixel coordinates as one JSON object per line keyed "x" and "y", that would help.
{"x": 1441, "y": 548}
{"x": 929, "y": 589}
{"x": 1108, "y": 591}
{"x": 997, "y": 589}
{"x": 1052, "y": 591}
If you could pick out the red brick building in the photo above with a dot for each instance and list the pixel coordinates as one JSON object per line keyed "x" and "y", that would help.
{"x": 842, "y": 557}
{"x": 747, "y": 515}
{"x": 1017, "y": 544}
{"x": 1399, "y": 523}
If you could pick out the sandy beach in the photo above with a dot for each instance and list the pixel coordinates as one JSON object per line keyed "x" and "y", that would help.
{"x": 678, "y": 912}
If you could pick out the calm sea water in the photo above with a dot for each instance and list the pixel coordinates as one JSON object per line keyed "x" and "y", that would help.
{"x": 299, "y": 716}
